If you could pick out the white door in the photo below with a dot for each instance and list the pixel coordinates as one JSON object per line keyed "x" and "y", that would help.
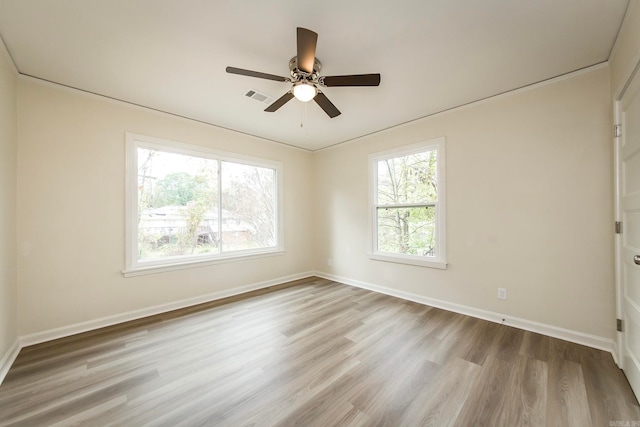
{"x": 628, "y": 268}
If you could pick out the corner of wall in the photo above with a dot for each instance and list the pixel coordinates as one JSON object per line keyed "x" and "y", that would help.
{"x": 8, "y": 58}
{"x": 9, "y": 344}
{"x": 8, "y": 358}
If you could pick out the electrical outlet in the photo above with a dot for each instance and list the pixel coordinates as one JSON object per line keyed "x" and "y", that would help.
{"x": 329, "y": 261}
{"x": 502, "y": 293}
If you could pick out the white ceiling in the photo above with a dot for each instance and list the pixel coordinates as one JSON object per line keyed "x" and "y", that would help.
{"x": 433, "y": 55}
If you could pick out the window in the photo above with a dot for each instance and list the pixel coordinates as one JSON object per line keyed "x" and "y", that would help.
{"x": 407, "y": 209}
{"x": 188, "y": 204}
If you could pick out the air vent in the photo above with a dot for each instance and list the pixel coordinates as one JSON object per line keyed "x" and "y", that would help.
{"x": 259, "y": 96}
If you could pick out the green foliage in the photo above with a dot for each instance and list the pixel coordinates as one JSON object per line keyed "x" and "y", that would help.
{"x": 192, "y": 195}
{"x": 407, "y": 230}
{"x": 178, "y": 189}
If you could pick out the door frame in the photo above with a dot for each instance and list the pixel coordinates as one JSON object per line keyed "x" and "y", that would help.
{"x": 618, "y": 344}
{"x": 633, "y": 72}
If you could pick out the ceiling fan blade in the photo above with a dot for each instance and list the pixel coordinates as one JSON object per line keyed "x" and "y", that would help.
{"x": 324, "y": 103}
{"x": 353, "y": 80}
{"x": 242, "y": 72}
{"x": 279, "y": 102}
{"x": 307, "y": 41}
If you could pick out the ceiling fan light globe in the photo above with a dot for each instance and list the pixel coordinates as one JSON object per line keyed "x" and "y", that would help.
{"x": 304, "y": 92}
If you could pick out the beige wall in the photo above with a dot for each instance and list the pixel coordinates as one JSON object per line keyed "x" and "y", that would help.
{"x": 71, "y": 160}
{"x": 529, "y": 206}
{"x": 8, "y": 140}
{"x": 626, "y": 53}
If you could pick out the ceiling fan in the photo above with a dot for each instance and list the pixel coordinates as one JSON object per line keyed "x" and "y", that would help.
{"x": 305, "y": 77}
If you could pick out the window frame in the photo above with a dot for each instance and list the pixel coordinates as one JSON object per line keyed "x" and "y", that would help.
{"x": 135, "y": 267}
{"x": 440, "y": 259}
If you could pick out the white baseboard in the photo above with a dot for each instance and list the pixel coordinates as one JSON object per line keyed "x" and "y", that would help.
{"x": 65, "y": 331}
{"x": 616, "y": 350}
{"x": 8, "y": 358}
{"x": 589, "y": 340}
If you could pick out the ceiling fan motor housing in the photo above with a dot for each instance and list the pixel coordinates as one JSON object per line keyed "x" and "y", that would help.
{"x": 298, "y": 75}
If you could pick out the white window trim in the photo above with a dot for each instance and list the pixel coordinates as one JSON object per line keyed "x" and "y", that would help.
{"x": 135, "y": 268}
{"x": 440, "y": 260}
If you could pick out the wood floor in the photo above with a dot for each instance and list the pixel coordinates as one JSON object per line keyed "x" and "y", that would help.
{"x": 315, "y": 354}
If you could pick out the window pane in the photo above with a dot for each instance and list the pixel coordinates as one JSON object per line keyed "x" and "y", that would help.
{"x": 408, "y": 179}
{"x": 407, "y": 230}
{"x": 248, "y": 207}
{"x": 177, "y": 205}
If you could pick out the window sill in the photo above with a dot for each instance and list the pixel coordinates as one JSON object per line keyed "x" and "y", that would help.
{"x": 442, "y": 265}
{"x": 153, "y": 269}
